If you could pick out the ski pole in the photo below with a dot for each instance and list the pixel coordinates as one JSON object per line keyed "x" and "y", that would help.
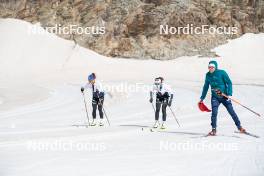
{"x": 224, "y": 95}
{"x": 86, "y": 108}
{"x": 241, "y": 105}
{"x": 174, "y": 116}
{"x": 104, "y": 112}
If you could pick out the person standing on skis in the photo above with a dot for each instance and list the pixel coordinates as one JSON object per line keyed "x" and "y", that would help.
{"x": 164, "y": 98}
{"x": 97, "y": 97}
{"x": 220, "y": 84}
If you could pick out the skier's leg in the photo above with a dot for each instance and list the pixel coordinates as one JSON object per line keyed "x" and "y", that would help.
{"x": 94, "y": 105}
{"x": 158, "y": 105}
{"x": 164, "y": 106}
{"x": 215, "y": 104}
{"x": 164, "y": 114}
{"x": 227, "y": 103}
{"x": 100, "y": 108}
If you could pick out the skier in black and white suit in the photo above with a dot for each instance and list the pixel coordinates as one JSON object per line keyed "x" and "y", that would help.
{"x": 164, "y": 97}
{"x": 98, "y": 94}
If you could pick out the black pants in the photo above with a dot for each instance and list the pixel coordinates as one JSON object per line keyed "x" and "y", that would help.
{"x": 161, "y": 103}
{"x": 98, "y": 102}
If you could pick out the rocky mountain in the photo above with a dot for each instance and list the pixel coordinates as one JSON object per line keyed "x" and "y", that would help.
{"x": 137, "y": 28}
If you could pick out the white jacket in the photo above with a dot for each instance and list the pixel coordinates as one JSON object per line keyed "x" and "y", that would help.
{"x": 97, "y": 87}
{"x": 163, "y": 88}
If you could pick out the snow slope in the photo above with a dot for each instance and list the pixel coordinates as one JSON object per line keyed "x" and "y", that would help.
{"x": 42, "y": 112}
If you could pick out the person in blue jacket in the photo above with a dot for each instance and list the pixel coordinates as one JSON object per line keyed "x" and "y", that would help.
{"x": 220, "y": 84}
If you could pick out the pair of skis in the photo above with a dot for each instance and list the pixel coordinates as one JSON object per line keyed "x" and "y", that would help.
{"x": 247, "y": 133}
{"x": 88, "y": 126}
{"x": 238, "y": 132}
{"x": 153, "y": 129}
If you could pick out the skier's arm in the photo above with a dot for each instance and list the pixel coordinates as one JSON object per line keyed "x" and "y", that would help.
{"x": 205, "y": 89}
{"x": 151, "y": 97}
{"x": 228, "y": 83}
{"x": 86, "y": 86}
{"x": 169, "y": 90}
{"x": 99, "y": 86}
{"x": 170, "y": 101}
{"x": 151, "y": 94}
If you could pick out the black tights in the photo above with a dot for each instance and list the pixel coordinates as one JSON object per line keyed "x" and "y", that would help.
{"x": 98, "y": 102}
{"x": 163, "y": 106}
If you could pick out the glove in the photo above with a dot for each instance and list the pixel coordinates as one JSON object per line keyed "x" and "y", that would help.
{"x": 99, "y": 94}
{"x": 228, "y": 97}
{"x": 201, "y": 101}
{"x": 218, "y": 92}
{"x": 82, "y": 89}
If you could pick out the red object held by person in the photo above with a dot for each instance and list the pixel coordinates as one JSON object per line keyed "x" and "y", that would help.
{"x": 203, "y": 107}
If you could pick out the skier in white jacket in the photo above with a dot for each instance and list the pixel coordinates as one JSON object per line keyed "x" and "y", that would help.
{"x": 98, "y": 97}
{"x": 164, "y": 98}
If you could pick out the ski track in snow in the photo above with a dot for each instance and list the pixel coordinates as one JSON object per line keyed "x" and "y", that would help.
{"x": 66, "y": 100}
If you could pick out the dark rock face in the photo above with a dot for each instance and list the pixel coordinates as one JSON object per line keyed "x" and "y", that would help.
{"x": 131, "y": 28}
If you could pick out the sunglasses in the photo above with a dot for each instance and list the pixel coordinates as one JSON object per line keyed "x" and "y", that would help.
{"x": 210, "y": 67}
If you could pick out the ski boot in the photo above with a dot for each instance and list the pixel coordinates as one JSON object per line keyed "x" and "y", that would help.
{"x": 93, "y": 123}
{"x": 163, "y": 127}
{"x": 241, "y": 130}
{"x": 156, "y": 125}
{"x": 212, "y": 133}
{"x": 101, "y": 123}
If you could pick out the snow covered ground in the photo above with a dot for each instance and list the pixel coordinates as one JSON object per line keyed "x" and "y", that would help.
{"x": 42, "y": 114}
